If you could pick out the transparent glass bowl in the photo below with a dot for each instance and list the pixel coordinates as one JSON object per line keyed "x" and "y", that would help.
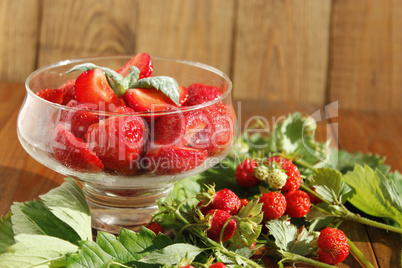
{"x": 128, "y": 199}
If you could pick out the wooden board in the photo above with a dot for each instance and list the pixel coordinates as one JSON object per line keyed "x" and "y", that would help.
{"x": 366, "y": 55}
{"x": 281, "y": 51}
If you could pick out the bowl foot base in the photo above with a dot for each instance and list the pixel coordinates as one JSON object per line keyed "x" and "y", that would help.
{"x": 114, "y": 209}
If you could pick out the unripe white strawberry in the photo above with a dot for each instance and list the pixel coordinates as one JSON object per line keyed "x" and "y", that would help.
{"x": 277, "y": 178}
{"x": 261, "y": 173}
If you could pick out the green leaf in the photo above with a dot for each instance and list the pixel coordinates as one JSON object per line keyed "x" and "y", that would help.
{"x": 283, "y": 233}
{"x": 374, "y": 193}
{"x": 67, "y": 202}
{"x": 132, "y": 76}
{"x": 36, "y": 251}
{"x": 328, "y": 183}
{"x": 165, "y": 84}
{"x": 303, "y": 244}
{"x": 34, "y": 217}
{"x": 347, "y": 161}
{"x": 172, "y": 254}
{"x": 89, "y": 255}
{"x": 6, "y": 233}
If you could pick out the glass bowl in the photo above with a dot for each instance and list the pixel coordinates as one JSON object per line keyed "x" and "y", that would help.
{"x": 126, "y": 197}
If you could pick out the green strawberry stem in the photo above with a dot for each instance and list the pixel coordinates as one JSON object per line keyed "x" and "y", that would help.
{"x": 359, "y": 255}
{"x": 294, "y": 258}
{"x": 207, "y": 240}
{"x": 303, "y": 163}
{"x": 348, "y": 215}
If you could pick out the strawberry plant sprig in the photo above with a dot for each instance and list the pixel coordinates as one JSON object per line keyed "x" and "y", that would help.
{"x": 167, "y": 85}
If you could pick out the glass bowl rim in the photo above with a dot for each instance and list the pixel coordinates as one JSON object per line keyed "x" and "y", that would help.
{"x": 175, "y": 110}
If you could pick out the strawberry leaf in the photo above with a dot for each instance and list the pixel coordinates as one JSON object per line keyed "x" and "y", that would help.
{"x": 374, "y": 193}
{"x": 283, "y": 233}
{"x": 165, "y": 84}
{"x": 172, "y": 254}
{"x": 6, "y": 233}
{"x": 328, "y": 183}
{"x": 68, "y": 204}
{"x": 36, "y": 251}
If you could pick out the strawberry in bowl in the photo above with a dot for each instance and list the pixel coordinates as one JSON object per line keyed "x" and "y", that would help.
{"x": 127, "y": 128}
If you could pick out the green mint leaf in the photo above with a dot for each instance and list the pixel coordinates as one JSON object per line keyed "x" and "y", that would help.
{"x": 36, "y": 251}
{"x": 374, "y": 194}
{"x": 172, "y": 254}
{"x": 116, "y": 80}
{"x": 165, "y": 84}
{"x": 283, "y": 233}
{"x": 34, "y": 217}
{"x": 67, "y": 202}
{"x": 6, "y": 233}
{"x": 132, "y": 76}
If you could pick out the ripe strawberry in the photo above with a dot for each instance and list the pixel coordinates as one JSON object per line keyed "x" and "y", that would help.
{"x": 74, "y": 152}
{"x": 218, "y": 134}
{"x": 143, "y": 61}
{"x": 119, "y": 141}
{"x": 92, "y": 87}
{"x": 68, "y": 89}
{"x": 226, "y": 200}
{"x": 217, "y": 219}
{"x": 244, "y": 202}
{"x": 245, "y": 174}
{"x": 79, "y": 120}
{"x": 273, "y": 205}
{"x": 294, "y": 179}
{"x": 298, "y": 203}
{"x": 156, "y": 228}
{"x": 178, "y": 129}
{"x": 151, "y": 99}
{"x": 164, "y": 160}
{"x": 218, "y": 265}
{"x": 333, "y": 246}
{"x": 313, "y": 199}
{"x": 51, "y": 94}
{"x": 200, "y": 93}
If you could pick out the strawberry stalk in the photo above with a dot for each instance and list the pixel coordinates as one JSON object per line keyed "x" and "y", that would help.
{"x": 359, "y": 255}
{"x": 294, "y": 258}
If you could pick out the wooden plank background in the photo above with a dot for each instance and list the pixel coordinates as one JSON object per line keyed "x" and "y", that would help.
{"x": 311, "y": 52}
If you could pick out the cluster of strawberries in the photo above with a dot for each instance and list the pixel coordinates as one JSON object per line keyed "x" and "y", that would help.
{"x": 101, "y": 131}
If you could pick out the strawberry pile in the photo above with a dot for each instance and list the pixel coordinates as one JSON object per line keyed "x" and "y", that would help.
{"x": 113, "y": 122}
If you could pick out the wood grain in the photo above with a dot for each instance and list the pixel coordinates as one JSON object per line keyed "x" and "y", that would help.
{"x": 366, "y": 55}
{"x": 281, "y": 50}
{"x": 74, "y": 29}
{"x": 18, "y": 38}
{"x": 188, "y": 29}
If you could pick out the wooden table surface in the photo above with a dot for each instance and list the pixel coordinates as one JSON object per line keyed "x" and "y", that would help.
{"x": 23, "y": 179}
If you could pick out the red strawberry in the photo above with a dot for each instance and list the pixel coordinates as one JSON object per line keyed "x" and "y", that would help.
{"x": 273, "y": 205}
{"x": 51, "y": 94}
{"x": 74, "y": 152}
{"x": 200, "y": 93}
{"x": 68, "y": 89}
{"x": 298, "y": 203}
{"x": 293, "y": 181}
{"x": 217, "y": 219}
{"x": 333, "y": 246}
{"x": 245, "y": 174}
{"x": 119, "y": 141}
{"x": 164, "y": 160}
{"x": 92, "y": 87}
{"x": 142, "y": 61}
{"x": 218, "y": 134}
{"x": 124, "y": 110}
{"x": 218, "y": 265}
{"x": 179, "y": 128}
{"x": 314, "y": 199}
{"x": 151, "y": 99}
{"x": 244, "y": 202}
{"x": 225, "y": 200}
{"x": 156, "y": 228}
{"x": 79, "y": 120}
